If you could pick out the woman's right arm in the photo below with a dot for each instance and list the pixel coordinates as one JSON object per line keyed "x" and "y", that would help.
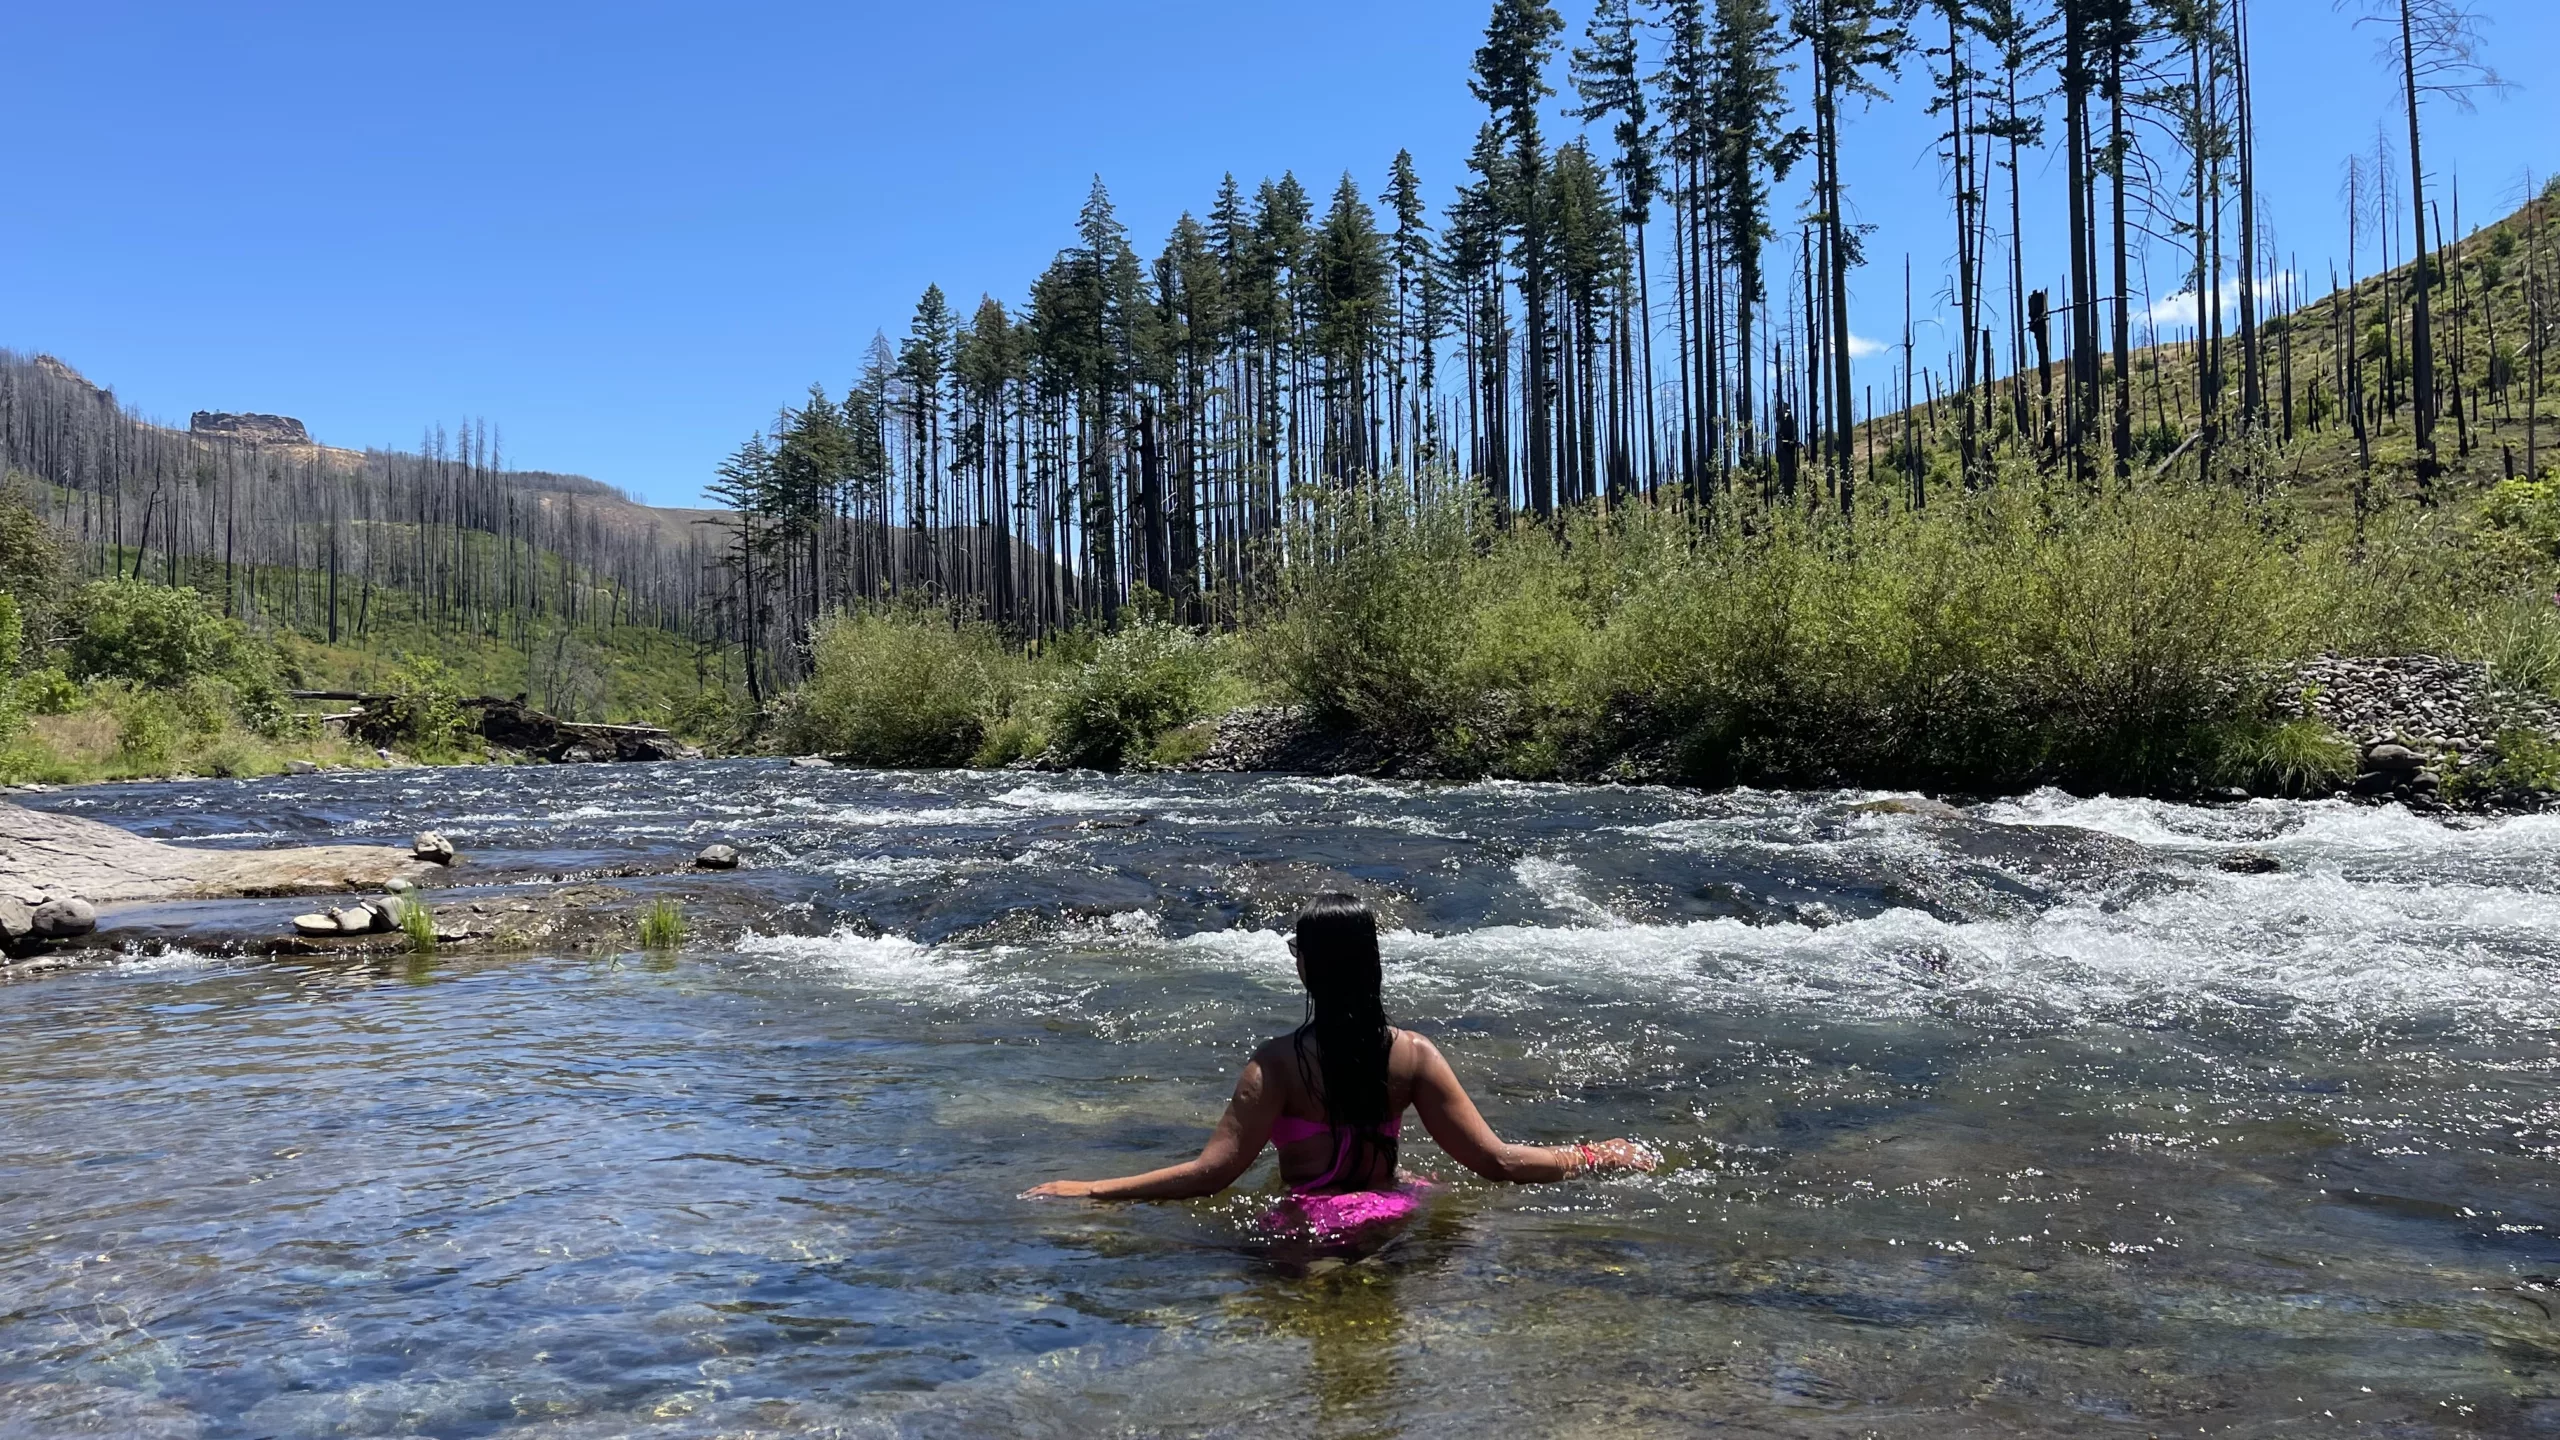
{"x": 1455, "y": 1125}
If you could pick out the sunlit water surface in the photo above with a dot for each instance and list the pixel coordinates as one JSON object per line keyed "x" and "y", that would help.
{"x": 2030, "y": 1121}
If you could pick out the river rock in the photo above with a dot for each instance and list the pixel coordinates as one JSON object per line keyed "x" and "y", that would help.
{"x": 42, "y": 853}
{"x": 2250, "y": 862}
{"x": 300, "y": 767}
{"x": 716, "y": 857}
{"x": 318, "y": 923}
{"x": 17, "y": 920}
{"x": 812, "y": 762}
{"x": 64, "y": 917}
{"x": 432, "y": 847}
{"x": 357, "y": 920}
{"x": 399, "y": 885}
{"x": 2393, "y": 759}
{"x": 579, "y": 755}
{"x": 2374, "y": 782}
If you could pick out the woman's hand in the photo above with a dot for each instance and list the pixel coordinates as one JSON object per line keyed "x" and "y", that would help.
{"x": 1620, "y": 1155}
{"x": 1061, "y": 1190}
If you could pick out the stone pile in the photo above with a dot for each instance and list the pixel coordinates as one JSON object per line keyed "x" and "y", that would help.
{"x": 29, "y": 924}
{"x": 2417, "y": 721}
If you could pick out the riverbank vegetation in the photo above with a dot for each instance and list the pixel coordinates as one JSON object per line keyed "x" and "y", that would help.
{"x": 131, "y": 677}
{"x": 2028, "y": 633}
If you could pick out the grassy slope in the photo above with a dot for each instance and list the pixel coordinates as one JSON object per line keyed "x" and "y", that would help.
{"x": 2481, "y": 307}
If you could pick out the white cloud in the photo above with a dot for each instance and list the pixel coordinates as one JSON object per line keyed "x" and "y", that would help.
{"x": 1862, "y": 348}
{"x": 2179, "y": 310}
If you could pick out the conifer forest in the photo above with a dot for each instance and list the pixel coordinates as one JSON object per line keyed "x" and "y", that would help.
{"x": 1638, "y": 292}
{"x": 1650, "y": 301}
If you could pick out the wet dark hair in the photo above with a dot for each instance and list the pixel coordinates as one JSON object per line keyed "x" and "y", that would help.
{"x": 1338, "y": 951}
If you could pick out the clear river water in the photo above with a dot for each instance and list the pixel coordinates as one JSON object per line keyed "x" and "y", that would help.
{"x": 2028, "y": 1120}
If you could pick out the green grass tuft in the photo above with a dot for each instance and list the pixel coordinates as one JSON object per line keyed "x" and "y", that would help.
{"x": 418, "y": 923}
{"x": 661, "y": 925}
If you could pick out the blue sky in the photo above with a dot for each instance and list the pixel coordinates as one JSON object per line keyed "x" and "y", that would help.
{"x": 624, "y": 234}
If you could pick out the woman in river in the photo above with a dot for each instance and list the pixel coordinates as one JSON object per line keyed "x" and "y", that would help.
{"x": 1332, "y": 1095}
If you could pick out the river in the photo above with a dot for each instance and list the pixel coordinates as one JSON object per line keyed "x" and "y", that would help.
{"x": 2027, "y": 1120}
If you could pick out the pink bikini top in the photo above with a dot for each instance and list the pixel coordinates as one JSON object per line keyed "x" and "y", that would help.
{"x": 1289, "y": 1129}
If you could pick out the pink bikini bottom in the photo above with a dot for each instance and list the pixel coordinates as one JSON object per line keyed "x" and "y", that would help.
{"x": 1345, "y": 1213}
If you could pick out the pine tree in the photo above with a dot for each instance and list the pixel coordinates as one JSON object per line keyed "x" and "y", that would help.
{"x": 1510, "y": 79}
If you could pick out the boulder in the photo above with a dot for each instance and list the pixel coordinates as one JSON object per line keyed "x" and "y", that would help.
{"x": 399, "y": 885}
{"x": 2426, "y": 782}
{"x": 2250, "y": 862}
{"x": 2393, "y": 759}
{"x": 357, "y": 920}
{"x": 322, "y": 923}
{"x": 300, "y": 767}
{"x": 17, "y": 920}
{"x": 2374, "y": 782}
{"x": 579, "y": 755}
{"x": 716, "y": 857}
{"x": 433, "y": 848}
{"x": 64, "y": 917}
{"x": 812, "y": 762}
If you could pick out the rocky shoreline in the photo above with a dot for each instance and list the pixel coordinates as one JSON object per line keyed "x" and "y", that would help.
{"x": 2429, "y": 733}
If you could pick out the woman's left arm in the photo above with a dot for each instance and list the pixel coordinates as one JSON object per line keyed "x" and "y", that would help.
{"x": 1240, "y": 1136}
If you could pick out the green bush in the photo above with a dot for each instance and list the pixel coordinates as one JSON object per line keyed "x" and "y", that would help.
{"x": 13, "y": 705}
{"x": 1144, "y": 679}
{"x": 425, "y": 714}
{"x": 156, "y": 635}
{"x": 901, "y": 688}
{"x": 48, "y": 692}
{"x": 2025, "y": 634}
{"x": 149, "y": 725}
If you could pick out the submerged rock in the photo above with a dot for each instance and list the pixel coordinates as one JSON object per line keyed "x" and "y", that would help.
{"x": 716, "y": 857}
{"x": 2250, "y": 862}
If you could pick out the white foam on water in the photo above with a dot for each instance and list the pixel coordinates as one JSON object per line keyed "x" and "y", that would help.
{"x": 889, "y": 867}
{"x": 2312, "y": 951}
{"x": 1259, "y": 952}
{"x": 2308, "y": 830}
{"x": 173, "y": 961}
{"x": 883, "y": 964}
{"x": 1049, "y": 800}
{"x": 1558, "y": 886}
{"x": 882, "y": 816}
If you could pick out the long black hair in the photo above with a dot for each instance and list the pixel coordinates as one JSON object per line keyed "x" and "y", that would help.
{"x": 1338, "y": 955}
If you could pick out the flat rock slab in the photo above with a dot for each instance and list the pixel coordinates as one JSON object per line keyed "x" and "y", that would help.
{"x": 47, "y": 854}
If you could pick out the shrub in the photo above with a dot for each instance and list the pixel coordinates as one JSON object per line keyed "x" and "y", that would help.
{"x": 155, "y": 635}
{"x": 148, "y": 725}
{"x": 1144, "y": 679}
{"x": 2024, "y": 634}
{"x": 425, "y": 714}
{"x": 901, "y": 688}
{"x": 48, "y": 692}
